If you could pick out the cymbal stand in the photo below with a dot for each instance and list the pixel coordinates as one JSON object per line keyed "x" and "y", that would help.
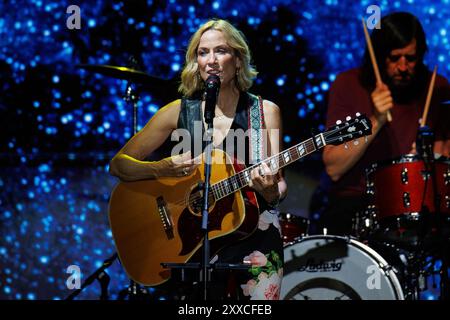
{"x": 131, "y": 96}
{"x": 425, "y": 143}
{"x": 416, "y": 280}
{"x": 134, "y": 291}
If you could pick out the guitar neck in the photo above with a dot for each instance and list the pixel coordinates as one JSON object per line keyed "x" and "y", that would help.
{"x": 241, "y": 179}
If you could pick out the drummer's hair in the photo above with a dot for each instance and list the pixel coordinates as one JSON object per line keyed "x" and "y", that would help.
{"x": 192, "y": 83}
{"x": 397, "y": 30}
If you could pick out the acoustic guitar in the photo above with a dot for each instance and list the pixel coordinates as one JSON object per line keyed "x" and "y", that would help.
{"x": 159, "y": 220}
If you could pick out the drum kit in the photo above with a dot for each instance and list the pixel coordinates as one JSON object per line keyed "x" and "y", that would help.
{"x": 407, "y": 221}
{"x": 395, "y": 242}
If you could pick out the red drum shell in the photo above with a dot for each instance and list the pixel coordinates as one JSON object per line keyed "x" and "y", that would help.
{"x": 292, "y": 226}
{"x": 400, "y": 186}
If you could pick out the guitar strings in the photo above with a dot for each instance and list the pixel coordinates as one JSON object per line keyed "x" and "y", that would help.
{"x": 242, "y": 181}
{"x": 308, "y": 143}
{"x": 239, "y": 176}
{"x": 220, "y": 186}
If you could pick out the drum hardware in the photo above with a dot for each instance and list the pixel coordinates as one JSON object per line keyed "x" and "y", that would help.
{"x": 406, "y": 200}
{"x": 426, "y": 175}
{"x": 132, "y": 97}
{"x": 425, "y": 143}
{"x": 422, "y": 284}
{"x": 447, "y": 177}
{"x": 370, "y": 185}
{"x": 405, "y": 175}
{"x": 419, "y": 272}
{"x": 292, "y": 226}
{"x": 365, "y": 223}
{"x": 413, "y": 267}
{"x": 386, "y": 268}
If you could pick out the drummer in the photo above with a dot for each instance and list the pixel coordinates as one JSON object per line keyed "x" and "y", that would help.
{"x": 399, "y": 47}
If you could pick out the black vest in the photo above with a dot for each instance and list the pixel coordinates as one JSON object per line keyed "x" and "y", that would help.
{"x": 191, "y": 112}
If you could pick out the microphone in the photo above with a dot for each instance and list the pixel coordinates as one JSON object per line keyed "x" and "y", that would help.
{"x": 212, "y": 90}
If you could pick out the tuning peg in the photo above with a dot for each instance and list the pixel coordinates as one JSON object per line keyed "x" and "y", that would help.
{"x": 348, "y": 118}
{"x": 338, "y": 122}
{"x": 358, "y": 114}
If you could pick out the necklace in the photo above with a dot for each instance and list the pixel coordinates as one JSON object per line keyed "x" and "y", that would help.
{"x": 222, "y": 115}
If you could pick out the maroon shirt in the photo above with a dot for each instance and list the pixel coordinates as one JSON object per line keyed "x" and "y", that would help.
{"x": 347, "y": 97}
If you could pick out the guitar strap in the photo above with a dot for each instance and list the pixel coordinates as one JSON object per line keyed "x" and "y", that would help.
{"x": 256, "y": 125}
{"x": 190, "y": 115}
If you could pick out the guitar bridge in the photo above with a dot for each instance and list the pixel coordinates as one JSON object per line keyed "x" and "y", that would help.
{"x": 165, "y": 217}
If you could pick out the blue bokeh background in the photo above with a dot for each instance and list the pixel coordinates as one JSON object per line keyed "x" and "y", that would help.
{"x": 60, "y": 124}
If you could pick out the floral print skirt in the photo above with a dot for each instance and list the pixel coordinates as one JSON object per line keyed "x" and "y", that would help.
{"x": 264, "y": 250}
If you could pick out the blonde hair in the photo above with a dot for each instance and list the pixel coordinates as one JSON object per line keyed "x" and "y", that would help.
{"x": 191, "y": 81}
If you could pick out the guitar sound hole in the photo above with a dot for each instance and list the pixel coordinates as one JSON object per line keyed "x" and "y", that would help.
{"x": 196, "y": 201}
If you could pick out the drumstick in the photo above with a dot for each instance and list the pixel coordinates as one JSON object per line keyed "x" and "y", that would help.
{"x": 427, "y": 102}
{"x": 374, "y": 62}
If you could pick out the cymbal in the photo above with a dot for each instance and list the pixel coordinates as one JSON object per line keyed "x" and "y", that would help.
{"x": 124, "y": 73}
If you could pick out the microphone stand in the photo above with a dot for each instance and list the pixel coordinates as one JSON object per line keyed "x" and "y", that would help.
{"x": 204, "y": 264}
{"x": 206, "y": 187}
{"x": 425, "y": 143}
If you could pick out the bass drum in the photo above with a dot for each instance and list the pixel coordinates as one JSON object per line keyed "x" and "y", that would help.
{"x": 336, "y": 268}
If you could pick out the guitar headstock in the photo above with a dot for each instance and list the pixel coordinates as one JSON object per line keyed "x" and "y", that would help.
{"x": 348, "y": 130}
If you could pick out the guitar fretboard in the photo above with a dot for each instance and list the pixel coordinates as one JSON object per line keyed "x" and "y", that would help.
{"x": 241, "y": 179}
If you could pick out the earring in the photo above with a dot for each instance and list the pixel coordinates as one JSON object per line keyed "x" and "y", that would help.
{"x": 237, "y": 72}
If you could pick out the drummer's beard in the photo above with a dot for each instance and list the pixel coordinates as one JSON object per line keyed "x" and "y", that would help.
{"x": 403, "y": 86}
